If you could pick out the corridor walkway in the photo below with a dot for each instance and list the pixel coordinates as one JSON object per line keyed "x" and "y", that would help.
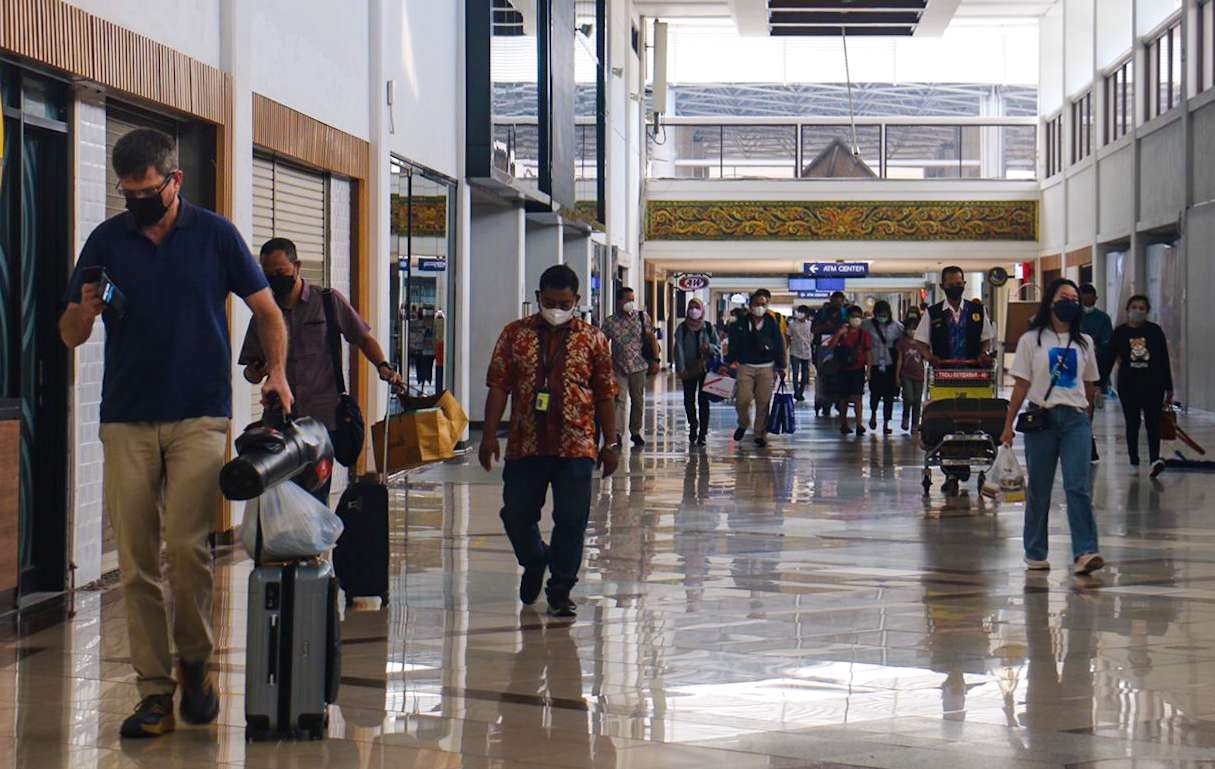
{"x": 801, "y": 606}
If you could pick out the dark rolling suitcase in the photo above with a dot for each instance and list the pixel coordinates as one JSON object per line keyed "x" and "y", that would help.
{"x": 293, "y": 652}
{"x": 361, "y": 555}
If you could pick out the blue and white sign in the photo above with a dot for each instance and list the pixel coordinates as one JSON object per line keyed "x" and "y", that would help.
{"x": 432, "y": 265}
{"x": 836, "y": 269}
{"x": 813, "y": 294}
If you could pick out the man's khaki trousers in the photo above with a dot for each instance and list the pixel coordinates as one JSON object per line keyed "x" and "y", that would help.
{"x": 164, "y": 474}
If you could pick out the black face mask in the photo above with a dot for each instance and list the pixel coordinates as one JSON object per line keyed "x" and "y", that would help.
{"x": 954, "y": 292}
{"x": 147, "y": 211}
{"x": 1066, "y": 310}
{"x": 281, "y": 285}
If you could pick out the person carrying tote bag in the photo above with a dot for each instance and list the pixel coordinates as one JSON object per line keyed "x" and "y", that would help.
{"x": 1056, "y": 370}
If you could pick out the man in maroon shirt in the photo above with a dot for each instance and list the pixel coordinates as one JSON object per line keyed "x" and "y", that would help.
{"x": 310, "y": 369}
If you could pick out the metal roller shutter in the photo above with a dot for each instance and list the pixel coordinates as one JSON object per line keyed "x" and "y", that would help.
{"x": 118, "y": 123}
{"x": 291, "y": 203}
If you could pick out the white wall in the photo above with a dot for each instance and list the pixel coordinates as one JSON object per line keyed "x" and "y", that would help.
{"x": 311, "y": 55}
{"x": 1153, "y": 12}
{"x": 91, "y": 184}
{"x": 1050, "y": 76}
{"x": 1078, "y": 49}
{"x": 192, "y": 27}
{"x": 1114, "y": 31}
{"x": 421, "y": 54}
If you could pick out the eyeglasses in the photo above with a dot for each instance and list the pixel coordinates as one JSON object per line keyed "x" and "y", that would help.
{"x": 146, "y": 192}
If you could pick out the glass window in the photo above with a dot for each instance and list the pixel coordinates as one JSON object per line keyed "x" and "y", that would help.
{"x": 818, "y": 142}
{"x": 589, "y": 55}
{"x": 516, "y": 98}
{"x": 1118, "y": 88}
{"x": 762, "y": 151}
{"x": 923, "y": 152}
{"x": 1082, "y": 127}
{"x": 1054, "y": 145}
{"x": 1164, "y": 71}
{"x": 686, "y": 152}
{"x": 423, "y": 286}
{"x": 1206, "y": 45}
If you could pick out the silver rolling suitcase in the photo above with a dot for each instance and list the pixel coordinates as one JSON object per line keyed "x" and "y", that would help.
{"x": 293, "y": 650}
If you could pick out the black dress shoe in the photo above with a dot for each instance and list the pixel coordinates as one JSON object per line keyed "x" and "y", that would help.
{"x": 562, "y": 606}
{"x": 638, "y": 441}
{"x": 701, "y": 440}
{"x": 532, "y": 582}
{"x": 761, "y": 442}
{"x": 739, "y": 433}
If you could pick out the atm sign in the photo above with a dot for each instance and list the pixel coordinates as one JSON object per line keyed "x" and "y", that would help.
{"x": 692, "y": 281}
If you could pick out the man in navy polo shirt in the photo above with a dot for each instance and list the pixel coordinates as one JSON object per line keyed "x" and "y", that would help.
{"x": 166, "y": 400}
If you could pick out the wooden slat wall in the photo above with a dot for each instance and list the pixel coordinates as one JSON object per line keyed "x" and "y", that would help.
{"x": 62, "y": 36}
{"x": 1080, "y": 257}
{"x": 1052, "y": 262}
{"x": 283, "y": 130}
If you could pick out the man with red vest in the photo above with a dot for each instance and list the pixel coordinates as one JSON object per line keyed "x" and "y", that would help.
{"x": 957, "y": 329}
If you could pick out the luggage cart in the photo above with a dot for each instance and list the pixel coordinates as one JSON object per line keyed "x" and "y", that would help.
{"x": 961, "y": 423}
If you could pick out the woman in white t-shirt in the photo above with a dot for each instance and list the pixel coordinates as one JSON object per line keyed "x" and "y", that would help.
{"x": 1056, "y": 369}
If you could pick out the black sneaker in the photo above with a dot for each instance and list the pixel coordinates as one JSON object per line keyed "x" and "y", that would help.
{"x": 532, "y": 582}
{"x": 562, "y": 606}
{"x": 761, "y": 442}
{"x": 152, "y": 718}
{"x": 860, "y": 430}
{"x": 739, "y": 433}
{"x": 199, "y": 700}
{"x": 701, "y": 440}
{"x": 638, "y": 441}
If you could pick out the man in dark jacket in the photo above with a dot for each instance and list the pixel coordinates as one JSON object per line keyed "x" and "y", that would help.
{"x": 956, "y": 329}
{"x": 757, "y": 347}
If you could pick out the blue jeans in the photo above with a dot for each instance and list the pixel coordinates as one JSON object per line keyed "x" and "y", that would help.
{"x": 525, "y": 484}
{"x": 1067, "y": 441}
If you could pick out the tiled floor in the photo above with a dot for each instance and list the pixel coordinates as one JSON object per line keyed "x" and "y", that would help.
{"x": 802, "y": 606}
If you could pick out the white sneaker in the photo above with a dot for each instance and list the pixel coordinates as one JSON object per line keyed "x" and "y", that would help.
{"x": 1087, "y": 564}
{"x": 1157, "y": 468}
{"x": 1034, "y": 565}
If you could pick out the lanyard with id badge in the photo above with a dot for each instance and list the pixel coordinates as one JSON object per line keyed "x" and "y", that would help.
{"x": 544, "y": 396}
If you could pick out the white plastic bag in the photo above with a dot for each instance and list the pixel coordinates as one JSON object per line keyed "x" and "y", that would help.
{"x": 1006, "y": 480}
{"x": 294, "y": 524}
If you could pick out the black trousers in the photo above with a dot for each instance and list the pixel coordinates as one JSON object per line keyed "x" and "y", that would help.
{"x": 694, "y": 397}
{"x": 525, "y": 485}
{"x": 1145, "y": 403}
{"x": 882, "y": 389}
{"x": 801, "y": 375}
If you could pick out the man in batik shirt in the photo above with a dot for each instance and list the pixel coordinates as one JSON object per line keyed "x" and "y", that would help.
{"x": 557, "y": 372}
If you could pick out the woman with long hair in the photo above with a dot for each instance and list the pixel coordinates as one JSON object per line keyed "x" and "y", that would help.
{"x": 1145, "y": 379}
{"x": 884, "y": 332}
{"x": 1056, "y": 369}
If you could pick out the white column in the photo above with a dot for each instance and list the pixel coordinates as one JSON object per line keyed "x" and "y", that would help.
{"x": 378, "y": 194}
{"x": 545, "y": 244}
{"x": 579, "y": 254}
{"x": 496, "y": 281}
{"x": 236, "y": 47}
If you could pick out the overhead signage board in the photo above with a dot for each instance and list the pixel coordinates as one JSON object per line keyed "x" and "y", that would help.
{"x": 692, "y": 281}
{"x": 816, "y": 294}
{"x": 802, "y": 283}
{"x": 432, "y": 265}
{"x": 836, "y": 269}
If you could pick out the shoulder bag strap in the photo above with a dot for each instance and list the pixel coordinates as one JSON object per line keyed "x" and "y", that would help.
{"x": 333, "y": 335}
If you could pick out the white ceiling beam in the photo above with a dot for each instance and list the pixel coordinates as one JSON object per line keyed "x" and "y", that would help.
{"x": 936, "y": 18}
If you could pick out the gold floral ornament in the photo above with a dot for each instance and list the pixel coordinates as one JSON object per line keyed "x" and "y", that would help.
{"x": 877, "y": 220}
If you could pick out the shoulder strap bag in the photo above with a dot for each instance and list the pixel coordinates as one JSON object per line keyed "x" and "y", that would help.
{"x": 351, "y": 428}
{"x": 1035, "y": 419}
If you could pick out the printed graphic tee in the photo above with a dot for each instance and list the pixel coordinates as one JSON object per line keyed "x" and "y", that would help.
{"x": 1039, "y": 357}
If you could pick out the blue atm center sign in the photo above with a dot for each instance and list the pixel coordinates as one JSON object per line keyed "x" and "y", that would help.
{"x": 836, "y": 269}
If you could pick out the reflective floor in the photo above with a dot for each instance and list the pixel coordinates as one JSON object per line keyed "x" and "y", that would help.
{"x": 802, "y": 606}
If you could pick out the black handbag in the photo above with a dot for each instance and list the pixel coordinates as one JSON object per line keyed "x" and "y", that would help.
{"x": 351, "y": 428}
{"x": 1036, "y": 419}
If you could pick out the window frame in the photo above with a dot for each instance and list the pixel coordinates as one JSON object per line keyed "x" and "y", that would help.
{"x": 1206, "y": 46}
{"x": 1162, "y": 86}
{"x": 1118, "y": 109}
{"x": 1082, "y": 127}
{"x": 1053, "y": 136}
